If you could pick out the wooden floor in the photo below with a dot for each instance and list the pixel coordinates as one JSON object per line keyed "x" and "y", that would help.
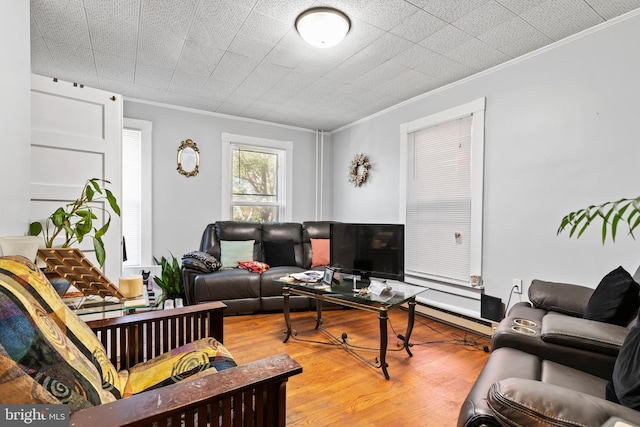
{"x": 338, "y": 389}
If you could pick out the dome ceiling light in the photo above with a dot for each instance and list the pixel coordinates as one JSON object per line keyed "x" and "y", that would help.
{"x": 323, "y": 26}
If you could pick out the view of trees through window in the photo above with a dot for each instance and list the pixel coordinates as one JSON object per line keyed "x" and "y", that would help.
{"x": 255, "y": 185}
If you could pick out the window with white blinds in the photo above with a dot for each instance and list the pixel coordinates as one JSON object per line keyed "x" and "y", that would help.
{"x": 439, "y": 200}
{"x": 131, "y": 209}
{"x": 443, "y": 195}
{"x": 135, "y": 205}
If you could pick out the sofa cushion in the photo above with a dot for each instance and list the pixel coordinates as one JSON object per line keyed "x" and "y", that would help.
{"x": 253, "y": 266}
{"x": 232, "y": 251}
{"x": 232, "y": 230}
{"x": 178, "y": 364}
{"x": 207, "y": 262}
{"x": 615, "y": 300}
{"x": 319, "y": 252}
{"x": 624, "y": 387}
{"x": 279, "y": 253}
{"x": 559, "y": 297}
{"x": 46, "y": 352}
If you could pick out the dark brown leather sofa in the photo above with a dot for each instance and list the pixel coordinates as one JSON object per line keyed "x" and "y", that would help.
{"x": 243, "y": 291}
{"x": 548, "y": 365}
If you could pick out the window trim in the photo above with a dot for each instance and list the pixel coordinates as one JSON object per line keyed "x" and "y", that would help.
{"x": 228, "y": 140}
{"x": 146, "y": 244}
{"x": 477, "y": 109}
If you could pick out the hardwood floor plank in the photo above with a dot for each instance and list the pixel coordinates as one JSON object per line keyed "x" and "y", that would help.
{"x": 338, "y": 389}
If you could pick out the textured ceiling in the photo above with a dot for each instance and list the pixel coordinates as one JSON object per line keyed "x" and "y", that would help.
{"x": 245, "y": 58}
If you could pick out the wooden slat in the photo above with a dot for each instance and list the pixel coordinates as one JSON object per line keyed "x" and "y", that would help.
{"x": 72, "y": 265}
{"x": 138, "y": 337}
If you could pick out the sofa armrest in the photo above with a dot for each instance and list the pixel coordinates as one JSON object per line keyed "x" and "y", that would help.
{"x": 525, "y": 402}
{"x": 560, "y": 297}
{"x": 189, "y": 279}
{"x": 586, "y": 334}
{"x": 135, "y": 338}
{"x": 253, "y": 391}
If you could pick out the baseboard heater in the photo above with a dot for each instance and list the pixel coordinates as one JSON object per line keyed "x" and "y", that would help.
{"x": 456, "y": 319}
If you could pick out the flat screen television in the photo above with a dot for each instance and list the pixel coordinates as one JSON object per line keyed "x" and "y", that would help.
{"x": 368, "y": 250}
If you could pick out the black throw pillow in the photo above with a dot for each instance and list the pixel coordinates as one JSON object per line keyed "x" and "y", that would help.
{"x": 615, "y": 300}
{"x": 279, "y": 252}
{"x": 624, "y": 387}
{"x": 204, "y": 261}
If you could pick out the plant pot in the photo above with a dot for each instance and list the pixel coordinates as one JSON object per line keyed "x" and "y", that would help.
{"x": 26, "y": 246}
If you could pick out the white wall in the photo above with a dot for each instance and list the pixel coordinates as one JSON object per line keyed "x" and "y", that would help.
{"x": 15, "y": 117}
{"x": 182, "y": 207}
{"x": 561, "y": 133}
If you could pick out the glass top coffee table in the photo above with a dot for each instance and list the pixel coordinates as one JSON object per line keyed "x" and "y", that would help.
{"x": 345, "y": 294}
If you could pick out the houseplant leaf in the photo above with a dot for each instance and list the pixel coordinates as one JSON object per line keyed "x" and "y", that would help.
{"x": 98, "y": 246}
{"x": 89, "y": 193}
{"x": 613, "y": 214}
{"x": 112, "y": 201}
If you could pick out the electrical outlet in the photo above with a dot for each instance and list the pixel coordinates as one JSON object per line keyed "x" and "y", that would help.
{"x": 517, "y": 286}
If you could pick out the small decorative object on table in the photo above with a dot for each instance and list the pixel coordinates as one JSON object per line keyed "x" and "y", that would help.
{"x": 147, "y": 282}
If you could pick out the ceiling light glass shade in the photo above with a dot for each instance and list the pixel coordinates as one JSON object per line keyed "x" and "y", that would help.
{"x": 322, "y": 26}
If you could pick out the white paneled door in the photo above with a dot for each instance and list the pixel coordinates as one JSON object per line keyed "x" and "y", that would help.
{"x": 76, "y": 135}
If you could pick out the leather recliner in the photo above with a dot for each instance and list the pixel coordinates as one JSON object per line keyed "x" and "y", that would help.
{"x": 552, "y": 327}
{"x": 519, "y": 389}
{"x": 548, "y": 365}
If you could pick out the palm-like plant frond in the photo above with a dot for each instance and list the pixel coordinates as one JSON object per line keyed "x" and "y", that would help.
{"x": 624, "y": 212}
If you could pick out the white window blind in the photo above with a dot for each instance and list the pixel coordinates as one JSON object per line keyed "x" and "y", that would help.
{"x": 438, "y": 201}
{"x": 131, "y": 204}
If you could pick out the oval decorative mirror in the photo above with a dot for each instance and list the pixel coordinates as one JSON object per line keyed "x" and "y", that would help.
{"x": 188, "y": 158}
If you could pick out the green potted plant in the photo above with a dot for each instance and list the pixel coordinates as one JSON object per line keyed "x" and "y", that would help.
{"x": 625, "y": 212}
{"x": 74, "y": 221}
{"x": 171, "y": 281}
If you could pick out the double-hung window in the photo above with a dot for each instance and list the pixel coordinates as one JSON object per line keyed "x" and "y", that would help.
{"x": 135, "y": 205}
{"x": 443, "y": 179}
{"x": 256, "y": 178}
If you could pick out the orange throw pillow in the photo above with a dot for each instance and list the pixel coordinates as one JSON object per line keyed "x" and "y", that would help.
{"x": 319, "y": 252}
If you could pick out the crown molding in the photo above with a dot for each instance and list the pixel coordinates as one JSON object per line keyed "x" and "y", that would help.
{"x": 544, "y": 49}
{"x": 214, "y": 114}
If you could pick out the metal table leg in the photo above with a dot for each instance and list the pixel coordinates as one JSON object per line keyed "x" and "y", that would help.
{"x": 318, "y": 313}
{"x": 384, "y": 317}
{"x": 410, "y": 321}
{"x": 287, "y": 317}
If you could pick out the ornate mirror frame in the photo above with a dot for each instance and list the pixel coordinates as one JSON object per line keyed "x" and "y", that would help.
{"x": 188, "y": 158}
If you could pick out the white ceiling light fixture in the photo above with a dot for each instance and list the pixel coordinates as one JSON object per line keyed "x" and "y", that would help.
{"x": 323, "y": 26}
